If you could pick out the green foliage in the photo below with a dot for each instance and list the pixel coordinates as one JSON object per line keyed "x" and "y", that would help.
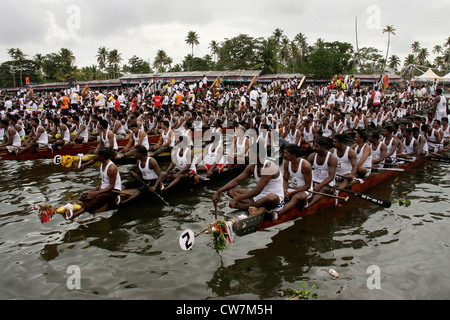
{"x": 137, "y": 65}
{"x": 403, "y": 202}
{"x": 304, "y": 293}
{"x": 220, "y": 240}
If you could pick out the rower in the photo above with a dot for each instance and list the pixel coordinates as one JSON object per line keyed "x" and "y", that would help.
{"x": 166, "y": 140}
{"x": 178, "y": 170}
{"x": 268, "y": 195}
{"x": 446, "y": 131}
{"x": 432, "y": 135}
{"x": 117, "y": 126}
{"x": 108, "y": 191}
{"x": 391, "y": 143}
{"x": 61, "y": 133}
{"x": 324, "y": 165}
{"x": 297, "y": 179}
{"x": 137, "y": 138}
{"x": 422, "y": 149}
{"x": 213, "y": 156}
{"x": 38, "y": 137}
{"x": 308, "y": 132}
{"x": 12, "y": 139}
{"x": 363, "y": 154}
{"x": 346, "y": 161}
{"x": 239, "y": 148}
{"x": 107, "y": 140}
{"x": 293, "y": 136}
{"x": 81, "y": 131}
{"x": 379, "y": 149}
{"x": 411, "y": 145}
{"x": 107, "y": 137}
{"x": 146, "y": 178}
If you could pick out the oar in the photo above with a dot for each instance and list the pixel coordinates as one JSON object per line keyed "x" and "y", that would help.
{"x": 159, "y": 196}
{"x": 387, "y": 169}
{"x": 330, "y": 195}
{"x": 438, "y": 159}
{"x": 404, "y": 159}
{"x": 382, "y": 202}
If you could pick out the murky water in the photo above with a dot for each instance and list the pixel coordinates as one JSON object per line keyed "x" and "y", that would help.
{"x": 134, "y": 253}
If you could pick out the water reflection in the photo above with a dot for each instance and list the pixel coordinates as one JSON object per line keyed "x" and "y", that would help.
{"x": 123, "y": 253}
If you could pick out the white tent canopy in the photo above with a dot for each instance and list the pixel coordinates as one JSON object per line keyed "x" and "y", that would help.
{"x": 429, "y": 75}
{"x": 446, "y": 78}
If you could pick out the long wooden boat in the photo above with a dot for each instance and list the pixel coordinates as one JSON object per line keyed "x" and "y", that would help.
{"x": 75, "y": 149}
{"x": 47, "y": 153}
{"x": 153, "y": 198}
{"x": 244, "y": 224}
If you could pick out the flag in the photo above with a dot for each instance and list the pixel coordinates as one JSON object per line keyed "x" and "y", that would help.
{"x": 386, "y": 82}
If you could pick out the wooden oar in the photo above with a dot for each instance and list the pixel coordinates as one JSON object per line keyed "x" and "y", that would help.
{"x": 382, "y": 202}
{"x": 386, "y": 169}
{"x": 404, "y": 159}
{"x": 330, "y": 195}
{"x": 159, "y": 196}
{"x": 438, "y": 159}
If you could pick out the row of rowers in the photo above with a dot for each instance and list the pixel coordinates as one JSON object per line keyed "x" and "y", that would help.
{"x": 303, "y": 182}
{"x": 292, "y": 127}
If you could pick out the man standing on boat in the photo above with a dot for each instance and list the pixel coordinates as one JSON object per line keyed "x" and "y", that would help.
{"x": 108, "y": 191}
{"x": 268, "y": 195}
{"x": 440, "y": 105}
{"x": 324, "y": 165}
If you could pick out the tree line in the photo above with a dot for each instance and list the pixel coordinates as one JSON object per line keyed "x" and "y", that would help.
{"x": 274, "y": 54}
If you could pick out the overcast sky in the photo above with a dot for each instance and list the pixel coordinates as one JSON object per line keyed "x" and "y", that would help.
{"x": 141, "y": 27}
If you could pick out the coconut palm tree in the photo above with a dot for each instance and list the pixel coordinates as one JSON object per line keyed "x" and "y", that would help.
{"x": 394, "y": 62}
{"x": 416, "y": 48}
{"x": 192, "y": 40}
{"x": 422, "y": 56}
{"x": 277, "y": 35}
{"x": 284, "y": 51}
{"x": 114, "y": 60}
{"x": 39, "y": 61}
{"x": 301, "y": 41}
{"x": 389, "y": 30}
{"x": 214, "y": 46}
{"x": 102, "y": 57}
{"x": 17, "y": 55}
{"x": 410, "y": 59}
{"x": 437, "y": 49}
{"x": 162, "y": 60}
{"x": 12, "y": 54}
{"x": 447, "y": 52}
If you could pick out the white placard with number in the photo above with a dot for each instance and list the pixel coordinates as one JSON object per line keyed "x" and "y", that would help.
{"x": 57, "y": 160}
{"x": 187, "y": 240}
